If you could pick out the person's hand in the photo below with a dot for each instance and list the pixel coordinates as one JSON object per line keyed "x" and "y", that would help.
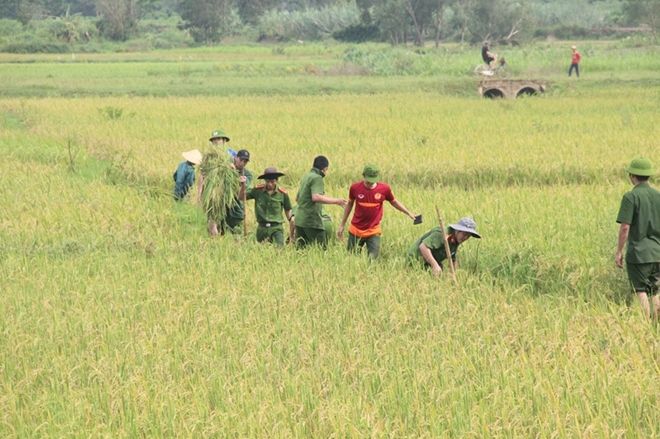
{"x": 412, "y": 216}
{"x": 437, "y": 271}
{"x": 341, "y": 202}
{"x": 619, "y": 259}
{"x": 340, "y": 233}
{"x": 242, "y": 179}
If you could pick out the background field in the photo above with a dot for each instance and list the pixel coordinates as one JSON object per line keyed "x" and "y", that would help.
{"x": 122, "y": 319}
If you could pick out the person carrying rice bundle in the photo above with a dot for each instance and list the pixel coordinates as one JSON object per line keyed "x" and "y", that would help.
{"x": 220, "y": 180}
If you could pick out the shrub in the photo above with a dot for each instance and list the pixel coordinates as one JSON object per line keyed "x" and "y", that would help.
{"x": 562, "y": 32}
{"x": 35, "y": 47}
{"x": 357, "y": 33}
{"x": 314, "y": 24}
{"x": 10, "y": 27}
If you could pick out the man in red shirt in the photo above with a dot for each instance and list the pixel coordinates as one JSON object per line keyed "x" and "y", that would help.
{"x": 575, "y": 62}
{"x": 368, "y": 197}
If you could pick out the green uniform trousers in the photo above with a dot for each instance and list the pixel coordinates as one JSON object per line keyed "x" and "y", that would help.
{"x": 271, "y": 234}
{"x": 306, "y": 237}
{"x": 372, "y": 243}
{"x": 644, "y": 277}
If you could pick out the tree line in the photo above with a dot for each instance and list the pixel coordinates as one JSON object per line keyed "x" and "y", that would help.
{"x": 396, "y": 21}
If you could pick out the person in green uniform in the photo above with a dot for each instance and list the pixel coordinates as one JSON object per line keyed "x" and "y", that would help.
{"x": 310, "y": 198}
{"x": 430, "y": 247}
{"x": 639, "y": 219}
{"x": 184, "y": 176}
{"x": 269, "y": 202}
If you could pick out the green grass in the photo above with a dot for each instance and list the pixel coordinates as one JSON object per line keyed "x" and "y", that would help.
{"x": 121, "y": 318}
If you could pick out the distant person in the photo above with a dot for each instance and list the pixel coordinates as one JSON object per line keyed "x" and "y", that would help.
{"x": 310, "y": 198}
{"x": 575, "y": 62}
{"x": 368, "y": 196}
{"x": 489, "y": 57}
{"x": 184, "y": 176}
{"x": 430, "y": 247}
{"x": 639, "y": 217}
{"x": 270, "y": 201}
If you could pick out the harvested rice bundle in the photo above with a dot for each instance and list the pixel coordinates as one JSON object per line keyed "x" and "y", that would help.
{"x": 220, "y": 185}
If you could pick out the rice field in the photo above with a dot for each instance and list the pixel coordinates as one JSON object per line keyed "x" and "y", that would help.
{"x": 121, "y": 318}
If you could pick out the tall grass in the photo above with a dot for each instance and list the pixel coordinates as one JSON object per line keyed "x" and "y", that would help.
{"x": 122, "y": 318}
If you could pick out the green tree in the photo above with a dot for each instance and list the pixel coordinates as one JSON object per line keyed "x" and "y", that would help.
{"x": 9, "y": 9}
{"x": 252, "y": 10}
{"x": 118, "y": 18}
{"x": 68, "y": 27}
{"x": 209, "y": 20}
{"x": 643, "y": 12}
{"x": 392, "y": 19}
{"x": 495, "y": 19}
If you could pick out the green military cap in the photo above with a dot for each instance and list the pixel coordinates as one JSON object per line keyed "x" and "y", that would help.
{"x": 371, "y": 173}
{"x": 641, "y": 166}
{"x": 219, "y": 134}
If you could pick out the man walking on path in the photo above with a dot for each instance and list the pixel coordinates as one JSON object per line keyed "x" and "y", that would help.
{"x": 575, "y": 62}
{"x": 270, "y": 201}
{"x": 310, "y": 198}
{"x": 430, "y": 247}
{"x": 368, "y": 197}
{"x": 184, "y": 176}
{"x": 639, "y": 217}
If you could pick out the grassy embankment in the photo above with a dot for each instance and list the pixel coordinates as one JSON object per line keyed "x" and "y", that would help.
{"x": 313, "y": 69}
{"x": 121, "y": 318}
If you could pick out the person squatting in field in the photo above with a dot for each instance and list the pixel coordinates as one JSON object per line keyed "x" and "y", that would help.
{"x": 368, "y": 196}
{"x": 184, "y": 176}
{"x": 310, "y": 198}
{"x": 235, "y": 215}
{"x": 270, "y": 201}
{"x": 430, "y": 250}
{"x": 639, "y": 219}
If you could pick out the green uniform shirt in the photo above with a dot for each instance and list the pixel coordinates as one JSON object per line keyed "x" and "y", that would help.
{"x": 268, "y": 208}
{"x": 237, "y": 212}
{"x": 309, "y": 212}
{"x": 641, "y": 209}
{"x": 435, "y": 242}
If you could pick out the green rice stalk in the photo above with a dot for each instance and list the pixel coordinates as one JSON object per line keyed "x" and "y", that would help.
{"x": 221, "y": 185}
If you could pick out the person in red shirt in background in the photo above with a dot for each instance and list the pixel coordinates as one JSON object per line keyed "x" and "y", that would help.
{"x": 368, "y": 197}
{"x": 575, "y": 62}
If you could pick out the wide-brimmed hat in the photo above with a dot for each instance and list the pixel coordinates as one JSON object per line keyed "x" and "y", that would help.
{"x": 371, "y": 173}
{"x": 641, "y": 166}
{"x": 193, "y": 156}
{"x": 270, "y": 174}
{"x": 466, "y": 225}
{"x": 219, "y": 134}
